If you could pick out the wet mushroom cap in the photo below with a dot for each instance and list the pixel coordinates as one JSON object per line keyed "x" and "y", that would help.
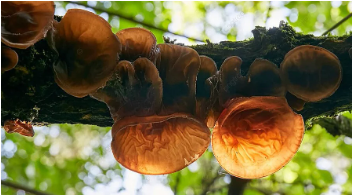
{"x": 9, "y": 58}
{"x": 294, "y": 102}
{"x": 23, "y": 23}
{"x": 156, "y": 145}
{"x": 137, "y": 42}
{"x": 88, "y": 52}
{"x": 311, "y": 73}
{"x": 263, "y": 79}
{"x": 256, "y": 136}
{"x": 207, "y": 69}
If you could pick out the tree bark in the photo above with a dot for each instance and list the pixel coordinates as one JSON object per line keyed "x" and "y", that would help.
{"x": 29, "y": 92}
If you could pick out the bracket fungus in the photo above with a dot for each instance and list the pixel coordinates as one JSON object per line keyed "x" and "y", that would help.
{"x": 256, "y": 136}
{"x": 311, "y": 73}
{"x": 9, "y": 58}
{"x": 88, "y": 52}
{"x": 17, "y": 126}
{"x": 178, "y": 68}
{"x": 23, "y": 23}
{"x": 137, "y": 42}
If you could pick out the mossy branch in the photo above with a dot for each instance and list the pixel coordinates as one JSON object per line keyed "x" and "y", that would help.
{"x": 29, "y": 92}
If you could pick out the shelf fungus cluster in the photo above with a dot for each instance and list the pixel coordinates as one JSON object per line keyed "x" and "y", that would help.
{"x": 165, "y": 98}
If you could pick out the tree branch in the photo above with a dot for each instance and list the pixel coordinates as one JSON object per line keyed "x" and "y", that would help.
{"x": 29, "y": 92}
{"x": 21, "y": 187}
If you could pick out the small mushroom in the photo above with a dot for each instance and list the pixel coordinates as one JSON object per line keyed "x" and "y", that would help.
{"x": 256, "y": 136}
{"x": 178, "y": 68}
{"x": 204, "y": 92}
{"x": 16, "y": 126}
{"x": 9, "y": 58}
{"x": 156, "y": 145}
{"x": 294, "y": 102}
{"x": 137, "y": 42}
{"x": 23, "y": 23}
{"x": 311, "y": 73}
{"x": 263, "y": 79}
{"x": 88, "y": 52}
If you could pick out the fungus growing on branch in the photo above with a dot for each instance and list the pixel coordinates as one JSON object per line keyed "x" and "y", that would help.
{"x": 23, "y": 23}
{"x": 88, "y": 52}
{"x": 294, "y": 102}
{"x": 9, "y": 58}
{"x": 137, "y": 42}
{"x": 256, "y": 136}
{"x": 311, "y": 73}
{"x": 17, "y": 126}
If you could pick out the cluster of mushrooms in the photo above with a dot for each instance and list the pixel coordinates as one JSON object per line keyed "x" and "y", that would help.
{"x": 165, "y": 98}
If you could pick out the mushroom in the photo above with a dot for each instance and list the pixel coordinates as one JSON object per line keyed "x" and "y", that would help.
{"x": 311, "y": 73}
{"x": 23, "y": 23}
{"x": 88, "y": 52}
{"x": 256, "y": 136}
{"x": 294, "y": 102}
{"x": 178, "y": 68}
{"x": 263, "y": 79}
{"x": 204, "y": 93}
{"x": 9, "y": 58}
{"x": 137, "y": 42}
{"x": 156, "y": 145}
{"x": 17, "y": 126}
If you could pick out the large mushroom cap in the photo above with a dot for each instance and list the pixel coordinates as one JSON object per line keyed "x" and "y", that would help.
{"x": 137, "y": 42}
{"x": 263, "y": 79}
{"x": 256, "y": 136}
{"x": 23, "y": 23}
{"x": 9, "y": 58}
{"x": 311, "y": 73}
{"x": 88, "y": 52}
{"x": 156, "y": 145}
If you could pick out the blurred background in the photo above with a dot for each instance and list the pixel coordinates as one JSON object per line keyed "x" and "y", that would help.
{"x": 77, "y": 159}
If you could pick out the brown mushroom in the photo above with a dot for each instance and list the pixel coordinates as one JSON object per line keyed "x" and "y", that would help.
{"x": 137, "y": 42}
{"x": 88, "y": 52}
{"x": 9, "y": 58}
{"x": 263, "y": 79}
{"x": 16, "y": 126}
{"x": 256, "y": 136}
{"x": 23, "y": 23}
{"x": 178, "y": 68}
{"x": 311, "y": 73}
{"x": 294, "y": 102}
{"x": 156, "y": 145}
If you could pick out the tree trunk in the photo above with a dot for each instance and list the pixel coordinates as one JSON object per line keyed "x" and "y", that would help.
{"x": 29, "y": 92}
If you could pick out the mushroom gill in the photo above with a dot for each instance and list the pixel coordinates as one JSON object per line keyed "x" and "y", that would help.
{"x": 256, "y": 136}
{"x": 23, "y": 23}
{"x": 88, "y": 52}
{"x": 178, "y": 68}
{"x": 9, "y": 58}
{"x": 137, "y": 42}
{"x": 311, "y": 73}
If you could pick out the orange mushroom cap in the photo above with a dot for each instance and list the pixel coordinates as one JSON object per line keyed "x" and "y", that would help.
{"x": 137, "y": 42}
{"x": 178, "y": 68}
{"x": 17, "y": 126}
{"x": 9, "y": 58}
{"x": 256, "y": 136}
{"x": 23, "y": 23}
{"x": 88, "y": 52}
{"x": 263, "y": 79}
{"x": 311, "y": 73}
{"x": 156, "y": 145}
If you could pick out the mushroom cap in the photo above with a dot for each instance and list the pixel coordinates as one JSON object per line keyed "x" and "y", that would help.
{"x": 156, "y": 145}
{"x": 17, "y": 126}
{"x": 9, "y": 58}
{"x": 23, "y": 23}
{"x": 207, "y": 69}
{"x": 311, "y": 73}
{"x": 88, "y": 52}
{"x": 263, "y": 79}
{"x": 256, "y": 136}
{"x": 294, "y": 102}
{"x": 178, "y": 68}
{"x": 137, "y": 42}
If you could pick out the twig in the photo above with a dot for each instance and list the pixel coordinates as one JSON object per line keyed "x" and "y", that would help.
{"x": 337, "y": 24}
{"x": 24, "y": 188}
{"x": 133, "y": 20}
